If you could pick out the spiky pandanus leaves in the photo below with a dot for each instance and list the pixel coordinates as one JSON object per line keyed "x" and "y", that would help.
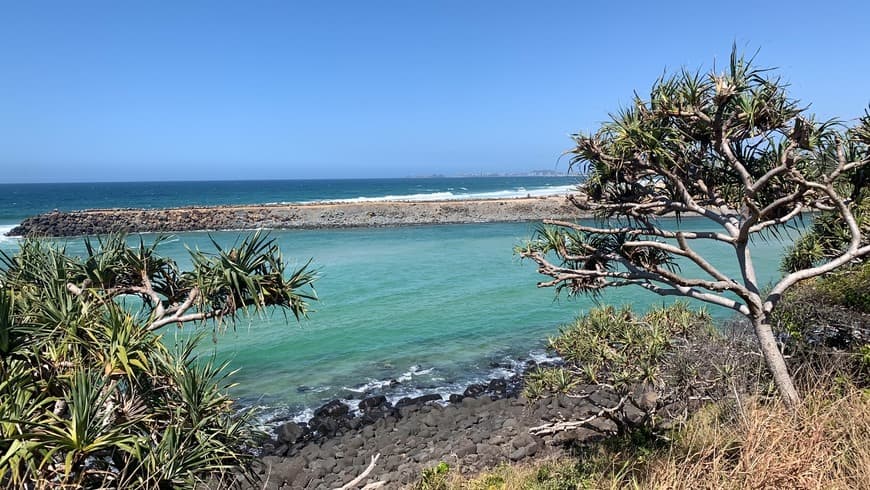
{"x": 249, "y": 274}
{"x": 91, "y": 396}
{"x": 732, "y": 148}
{"x": 689, "y": 133}
{"x": 826, "y": 237}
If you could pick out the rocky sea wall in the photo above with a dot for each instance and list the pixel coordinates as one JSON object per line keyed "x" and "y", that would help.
{"x": 294, "y": 216}
{"x": 487, "y": 425}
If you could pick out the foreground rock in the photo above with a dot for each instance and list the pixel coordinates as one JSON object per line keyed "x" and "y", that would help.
{"x": 303, "y": 216}
{"x": 471, "y": 434}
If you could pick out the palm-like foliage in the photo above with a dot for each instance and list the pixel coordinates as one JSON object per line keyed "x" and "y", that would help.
{"x": 91, "y": 396}
{"x": 827, "y": 238}
{"x": 730, "y": 147}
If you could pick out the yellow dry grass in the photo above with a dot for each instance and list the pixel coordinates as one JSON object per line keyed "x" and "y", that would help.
{"x": 822, "y": 444}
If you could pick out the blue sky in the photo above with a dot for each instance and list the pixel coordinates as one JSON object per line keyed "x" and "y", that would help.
{"x": 181, "y": 90}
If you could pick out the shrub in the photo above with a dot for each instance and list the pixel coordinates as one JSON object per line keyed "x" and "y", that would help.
{"x": 616, "y": 346}
{"x": 434, "y": 478}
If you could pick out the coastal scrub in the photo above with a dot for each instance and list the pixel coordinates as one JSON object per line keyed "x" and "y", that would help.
{"x": 93, "y": 396}
{"x": 731, "y": 148}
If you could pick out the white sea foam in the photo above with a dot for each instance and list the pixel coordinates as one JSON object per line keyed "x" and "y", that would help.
{"x": 541, "y": 356}
{"x": 416, "y": 370}
{"x": 375, "y": 384}
{"x": 372, "y": 384}
{"x": 453, "y": 196}
{"x": 414, "y": 382}
{"x": 4, "y": 229}
{"x": 303, "y": 416}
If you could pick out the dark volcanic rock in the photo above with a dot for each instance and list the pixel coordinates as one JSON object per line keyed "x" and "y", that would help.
{"x": 308, "y": 216}
{"x": 420, "y": 400}
{"x": 474, "y": 390}
{"x": 498, "y": 386}
{"x": 328, "y": 426}
{"x": 373, "y": 402}
{"x": 289, "y": 433}
{"x": 471, "y": 434}
{"x": 335, "y": 408}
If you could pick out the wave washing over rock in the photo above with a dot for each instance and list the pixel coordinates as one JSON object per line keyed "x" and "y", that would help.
{"x": 298, "y": 216}
{"x": 416, "y": 382}
{"x": 485, "y": 425}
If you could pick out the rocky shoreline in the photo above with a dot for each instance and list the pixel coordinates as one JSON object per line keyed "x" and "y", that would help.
{"x": 484, "y": 426}
{"x": 295, "y": 216}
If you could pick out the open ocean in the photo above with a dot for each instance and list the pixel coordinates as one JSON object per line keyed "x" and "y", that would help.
{"x": 433, "y": 307}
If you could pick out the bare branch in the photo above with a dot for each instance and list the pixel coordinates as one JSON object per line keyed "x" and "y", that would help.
{"x": 353, "y": 483}
{"x": 159, "y": 310}
{"x": 779, "y": 169}
{"x": 691, "y": 205}
{"x": 548, "y": 429}
{"x": 652, "y": 231}
{"x": 677, "y": 285}
{"x": 853, "y": 251}
{"x": 700, "y": 261}
{"x": 778, "y": 221}
{"x": 723, "y": 144}
{"x": 178, "y": 315}
{"x": 701, "y": 296}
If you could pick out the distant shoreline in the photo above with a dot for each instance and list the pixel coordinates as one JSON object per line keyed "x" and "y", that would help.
{"x": 325, "y": 215}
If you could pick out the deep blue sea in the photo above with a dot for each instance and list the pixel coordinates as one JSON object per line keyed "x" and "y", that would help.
{"x": 433, "y": 307}
{"x": 21, "y": 200}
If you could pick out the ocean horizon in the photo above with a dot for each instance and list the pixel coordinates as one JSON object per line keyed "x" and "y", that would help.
{"x": 402, "y": 311}
{"x": 18, "y": 201}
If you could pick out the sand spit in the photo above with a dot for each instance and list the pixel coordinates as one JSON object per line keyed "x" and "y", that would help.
{"x": 295, "y": 216}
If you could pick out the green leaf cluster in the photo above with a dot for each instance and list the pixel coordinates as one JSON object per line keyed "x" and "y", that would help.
{"x": 92, "y": 397}
{"x": 434, "y": 478}
{"x": 691, "y": 130}
{"x": 615, "y": 346}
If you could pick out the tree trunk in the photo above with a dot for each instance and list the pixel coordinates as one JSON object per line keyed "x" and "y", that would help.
{"x": 775, "y": 363}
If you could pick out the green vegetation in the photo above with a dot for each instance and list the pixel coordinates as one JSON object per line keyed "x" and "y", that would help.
{"x": 750, "y": 440}
{"x": 617, "y": 347}
{"x": 848, "y": 288}
{"x": 665, "y": 360}
{"x": 541, "y": 382}
{"x": 733, "y": 149}
{"x": 434, "y": 478}
{"x": 93, "y": 397}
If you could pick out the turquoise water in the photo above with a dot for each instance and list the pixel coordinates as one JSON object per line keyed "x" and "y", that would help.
{"x": 434, "y": 307}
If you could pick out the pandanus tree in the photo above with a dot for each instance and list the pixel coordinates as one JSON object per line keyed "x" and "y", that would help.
{"x": 731, "y": 148}
{"x": 92, "y": 396}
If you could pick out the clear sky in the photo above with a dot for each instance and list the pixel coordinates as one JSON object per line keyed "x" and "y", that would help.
{"x": 180, "y": 90}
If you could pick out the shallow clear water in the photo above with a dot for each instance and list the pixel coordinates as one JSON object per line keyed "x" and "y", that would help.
{"x": 434, "y": 307}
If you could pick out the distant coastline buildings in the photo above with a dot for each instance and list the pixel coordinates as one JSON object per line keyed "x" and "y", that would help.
{"x": 530, "y": 173}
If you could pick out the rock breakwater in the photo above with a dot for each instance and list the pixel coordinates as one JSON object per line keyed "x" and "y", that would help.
{"x": 294, "y": 216}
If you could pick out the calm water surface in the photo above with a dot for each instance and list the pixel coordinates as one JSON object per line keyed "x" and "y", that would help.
{"x": 434, "y": 307}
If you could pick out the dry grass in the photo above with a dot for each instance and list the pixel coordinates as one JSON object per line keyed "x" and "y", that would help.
{"x": 823, "y": 444}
